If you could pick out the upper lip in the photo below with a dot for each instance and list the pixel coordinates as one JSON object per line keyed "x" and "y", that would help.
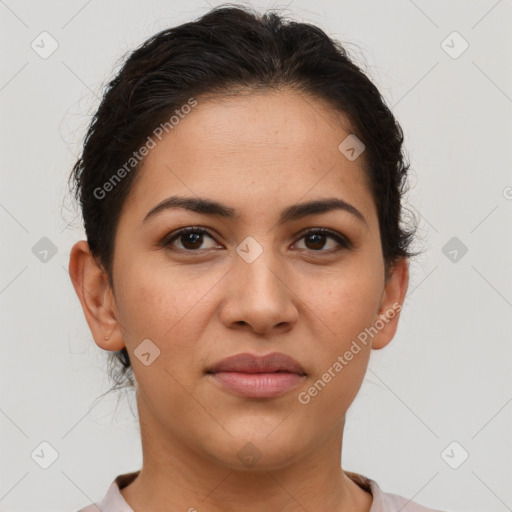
{"x": 249, "y": 363}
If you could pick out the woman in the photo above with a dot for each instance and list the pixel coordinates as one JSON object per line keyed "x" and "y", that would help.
{"x": 241, "y": 188}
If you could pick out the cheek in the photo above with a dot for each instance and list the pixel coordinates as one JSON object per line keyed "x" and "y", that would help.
{"x": 347, "y": 303}
{"x": 347, "y": 307}
{"x": 153, "y": 300}
{"x": 170, "y": 308}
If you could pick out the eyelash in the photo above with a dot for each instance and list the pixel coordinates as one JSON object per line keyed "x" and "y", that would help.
{"x": 343, "y": 242}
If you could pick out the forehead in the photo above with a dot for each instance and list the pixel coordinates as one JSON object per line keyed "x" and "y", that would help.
{"x": 257, "y": 150}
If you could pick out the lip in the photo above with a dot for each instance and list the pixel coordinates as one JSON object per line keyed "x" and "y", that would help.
{"x": 255, "y": 376}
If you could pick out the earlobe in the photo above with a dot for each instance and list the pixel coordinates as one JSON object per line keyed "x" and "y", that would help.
{"x": 96, "y": 297}
{"x": 393, "y": 297}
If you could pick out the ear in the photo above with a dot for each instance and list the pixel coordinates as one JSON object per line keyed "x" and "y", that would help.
{"x": 98, "y": 303}
{"x": 393, "y": 296}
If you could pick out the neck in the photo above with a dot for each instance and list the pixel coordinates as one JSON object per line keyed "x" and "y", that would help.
{"x": 176, "y": 477}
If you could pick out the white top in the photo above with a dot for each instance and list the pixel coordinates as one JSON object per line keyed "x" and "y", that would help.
{"x": 382, "y": 501}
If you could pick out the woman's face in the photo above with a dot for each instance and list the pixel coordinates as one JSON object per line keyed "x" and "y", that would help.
{"x": 255, "y": 283}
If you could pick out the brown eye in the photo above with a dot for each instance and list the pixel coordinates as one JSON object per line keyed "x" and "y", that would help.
{"x": 191, "y": 239}
{"x": 315, "y": 240}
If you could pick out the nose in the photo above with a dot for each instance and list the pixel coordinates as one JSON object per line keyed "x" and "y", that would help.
{"x": 258, "y": 297}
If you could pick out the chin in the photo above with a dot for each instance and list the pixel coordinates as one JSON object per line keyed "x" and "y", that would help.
{"x": 256, "y": 451}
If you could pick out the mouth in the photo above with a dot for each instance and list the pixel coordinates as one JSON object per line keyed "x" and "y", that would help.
{"x": 254, "y": 376}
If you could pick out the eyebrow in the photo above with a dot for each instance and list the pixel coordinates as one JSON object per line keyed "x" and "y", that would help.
{"x": 292, "y": 213}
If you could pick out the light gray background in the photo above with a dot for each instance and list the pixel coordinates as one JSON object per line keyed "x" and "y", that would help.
{"x": 445, "y": 377}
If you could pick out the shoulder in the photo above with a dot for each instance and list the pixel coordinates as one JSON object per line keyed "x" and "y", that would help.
{"x": 95, "y": 507}
{"x": 113, "y": 500}
{"x": 385, "y": 501}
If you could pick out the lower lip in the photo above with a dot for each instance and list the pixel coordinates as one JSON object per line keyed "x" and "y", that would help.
{"x": 258, "y": 385}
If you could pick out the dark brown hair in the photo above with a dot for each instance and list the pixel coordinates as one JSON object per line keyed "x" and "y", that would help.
{"x": 231, "y": 48}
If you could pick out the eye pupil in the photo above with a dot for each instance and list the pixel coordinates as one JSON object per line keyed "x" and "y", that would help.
{"x": 318, "y": 240}
{"x": 192, "y": 238}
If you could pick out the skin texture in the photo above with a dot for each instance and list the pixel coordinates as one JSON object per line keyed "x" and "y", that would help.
{"x": 257, "y": 153}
